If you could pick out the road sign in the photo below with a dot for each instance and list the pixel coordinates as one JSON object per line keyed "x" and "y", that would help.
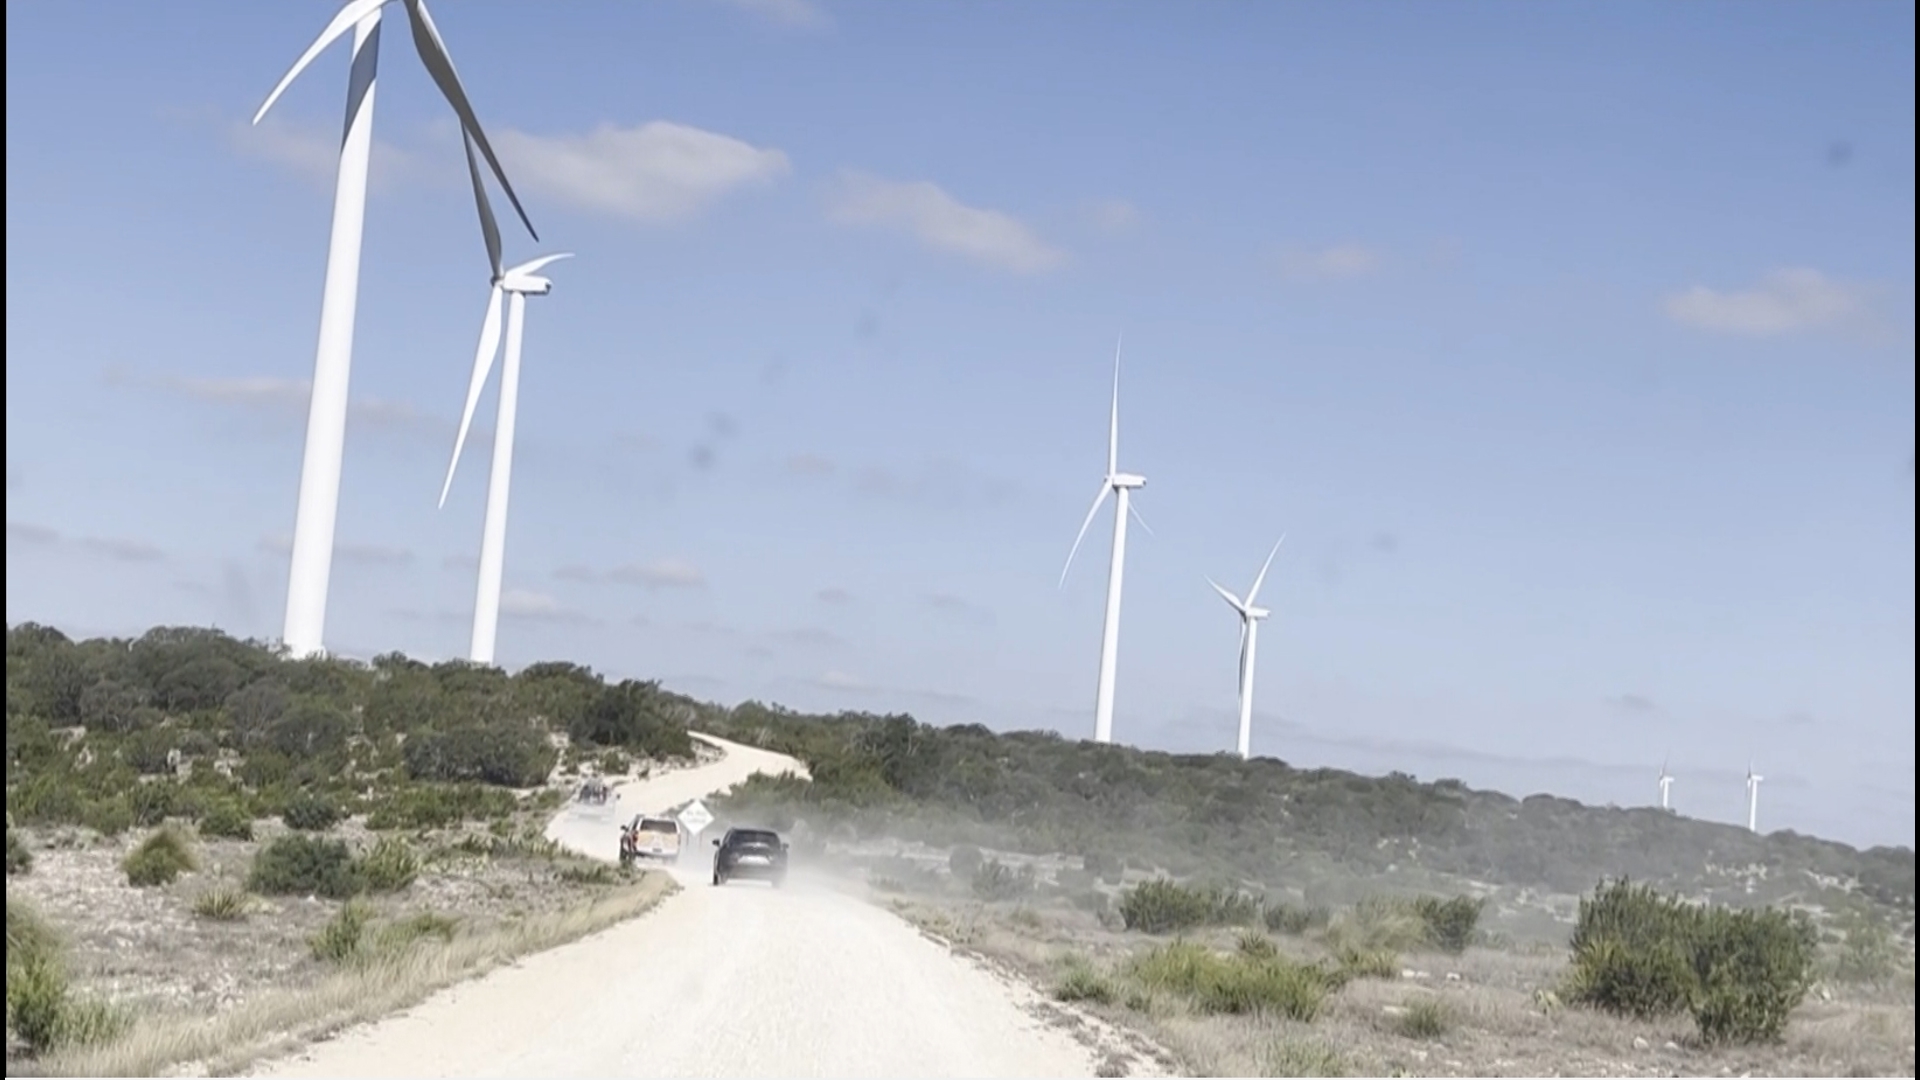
{"x": 696, "y": 817}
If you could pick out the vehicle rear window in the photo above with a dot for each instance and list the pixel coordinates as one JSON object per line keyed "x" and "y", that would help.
{"x": 756, "y": 836}
{"x": 659, "y": 825}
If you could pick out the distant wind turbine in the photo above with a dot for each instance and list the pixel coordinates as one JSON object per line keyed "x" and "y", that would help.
{"x": 1666, "y": 782}
{"x": 1250, "y": 617}
{"x": 319, "y": 504}
{"x": 518, "y": 283}
{"x": 1120, "y": 485}
{"x": 1753, "y": 798}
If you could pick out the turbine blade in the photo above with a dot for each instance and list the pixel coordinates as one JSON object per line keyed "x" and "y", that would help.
{"x": 1135, "y": 515}
{"x": 343, "y": 20}
{"x": 489, "y": 228}
{"x": 1255, "y": 591}
{"x": 532, "y": 266}
{"x": 482, "y": 366}
{"x": 1243, "y": 654}
{"x": 1232, "y": 600}
{"x": 1092, "y": 510}
{"x": 1113, "y": 418}
{"x": 433, "y": 54}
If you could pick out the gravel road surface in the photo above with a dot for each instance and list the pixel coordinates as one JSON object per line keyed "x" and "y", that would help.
{"x": 741, "y": 980}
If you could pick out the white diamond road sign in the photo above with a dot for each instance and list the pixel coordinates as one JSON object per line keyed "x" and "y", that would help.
{"x": 696, "y": 817}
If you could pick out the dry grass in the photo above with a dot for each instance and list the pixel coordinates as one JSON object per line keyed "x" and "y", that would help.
{"x": 1478, "y": 1014}
{"x": 275, "y": 1021}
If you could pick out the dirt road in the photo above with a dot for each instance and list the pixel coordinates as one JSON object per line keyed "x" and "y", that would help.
{"x": 742, "y": 980}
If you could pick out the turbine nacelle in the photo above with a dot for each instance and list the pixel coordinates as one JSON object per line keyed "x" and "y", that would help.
{"x": 1129, "y": 481}
{"x": 1256, "y": 612}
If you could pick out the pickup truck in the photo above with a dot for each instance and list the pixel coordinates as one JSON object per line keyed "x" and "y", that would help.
{"x": 650, "y": 838}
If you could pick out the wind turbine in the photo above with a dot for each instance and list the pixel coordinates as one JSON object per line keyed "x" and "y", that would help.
{"x": 1120, "y": 485}
{"x": 319, "y": 504}
{"x": 1666, "y": 782}
{"x": 1250, "y": 617}
{"x": 517, "y": 283}
{"x": 1753, "y": 798}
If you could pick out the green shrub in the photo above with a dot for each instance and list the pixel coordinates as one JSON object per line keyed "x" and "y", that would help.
{"x": 1256, "y": 945}
{"x": 344, "y": 935}
{"x": 1740, "y": 973}
{"x": 1866, "y": 952}
{"x": 164, "y": 855}
{"x": 1287, "y": 919}
{"x": 1386, "y": 923}
{"x": 1161, "y": 906}
{"x": 1633, "y": 951}
{"x": 1426, "y": 1017}
{"x": 154, "y": 801}
{"x": 225, "y": 818}
{"x": 1236, "y": 984}
{"x": 389, "y": 867}
{"x": 1753, "y": 969}
{"x": 222, "y": 903}
{"x": 299, "y": 864}
{"x": 108, "y": 817}
{"x": 503, "y": 754}
{"x": 1358, "y": 963}
{"x": 432, "y": 806}
{"x": 1300, "y": 1057}
{"x": 994, "y": 880}
{"x": 1080, "y": 982}
{"x": 1449, "y": 923}
{"x": 403, "y": 933}
{"x": 308, "y": 812}
{"x": 42, "y": 1009}
{"x": 19, "y": 857}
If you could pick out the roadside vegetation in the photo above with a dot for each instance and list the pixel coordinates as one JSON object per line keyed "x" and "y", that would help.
{"x": 281, "y": 845}
{"x": 232, "y": 831}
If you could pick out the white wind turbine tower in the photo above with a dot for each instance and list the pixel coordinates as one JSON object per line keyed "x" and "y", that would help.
{"x": 1250, "y": 617}
{"x": 1120, "y": 485}
{"x": 1666, "y": 782}
{"x": 313, "y": 528}
{"x": 517, "y": 283}
{"x": 1753, "y": 798}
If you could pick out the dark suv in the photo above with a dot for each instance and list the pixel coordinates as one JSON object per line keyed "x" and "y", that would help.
{"x": 750, "y": 853}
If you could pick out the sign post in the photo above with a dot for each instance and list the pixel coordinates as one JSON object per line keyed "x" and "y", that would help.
{"x": 696, "y": 817}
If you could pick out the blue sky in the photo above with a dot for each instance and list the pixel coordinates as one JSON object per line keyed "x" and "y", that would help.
{"x": 1571, "y": 345}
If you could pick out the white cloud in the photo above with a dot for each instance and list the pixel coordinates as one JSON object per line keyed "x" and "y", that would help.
{"x": 368, "y": 554}
{"x": 786, "y": 12}
{"x": 121, "y": 550}
{"x": 959, "y": 607}
{"x": 1786, "y": 301}
{"x": 263, "y": 393}
{"x": 117, "y": 549}
{"x": 1113, "y": 215}
{"x": 810, "y": 465}
{"x": 528, "y": 604}
{"x": 936, "y": 480}
{"x": 808, "y": 637}
{"x": 1328, "y": 264}
{"x": 657, "y": 172}
{"x": 659, "y": 574}
{"x": 922, "y": 209}
{"x": 314, "y": 152}
{"x": 840, "y": 680}
{"x": 20, "y": 532}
